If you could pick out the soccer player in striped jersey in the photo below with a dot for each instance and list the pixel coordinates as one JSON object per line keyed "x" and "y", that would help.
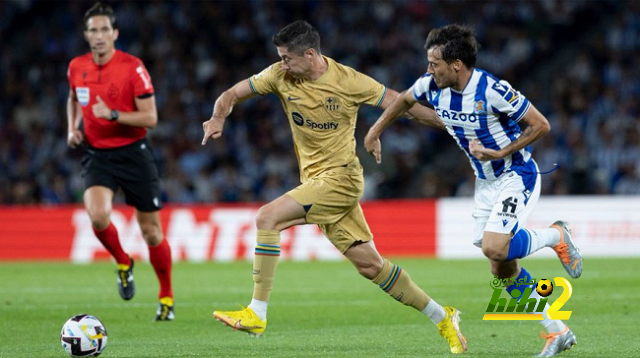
{"x": 483, "y": 113}
{"x": 321, "y": 98}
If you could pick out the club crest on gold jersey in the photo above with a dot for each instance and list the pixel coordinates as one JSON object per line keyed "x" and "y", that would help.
{"x": 331, "y": 103}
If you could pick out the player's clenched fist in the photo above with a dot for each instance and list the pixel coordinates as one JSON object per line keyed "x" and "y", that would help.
{"x": 373, "y": 146}
{"x": 74, "y": 138}
{"x": 480, "y": 152}
{"x": 100, "y": 109}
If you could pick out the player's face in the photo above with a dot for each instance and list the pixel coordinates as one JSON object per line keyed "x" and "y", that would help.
{"x": 100, "y": 34}
{"x": 294, "y": 64}
{"x": 443, "y": 73}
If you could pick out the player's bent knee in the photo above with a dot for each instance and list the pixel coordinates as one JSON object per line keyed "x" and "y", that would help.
{"x": 493, "y": 253}
{"x": 153, "y": 240}
{"x": 151, "y": 234}
{"x": 99, "y": 217}
{"x": 265, "y": 220}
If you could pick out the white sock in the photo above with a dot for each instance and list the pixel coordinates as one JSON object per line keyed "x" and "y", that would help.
{"x": 552, "y": 325}
{"x": 540, "y": 238}
{"x": 434, "y": 311}
{"x": 259, "y": 307}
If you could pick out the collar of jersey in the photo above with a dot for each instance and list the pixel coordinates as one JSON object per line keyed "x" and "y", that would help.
{"x": 473, "y": 73}
{"x": 117, "y": 53}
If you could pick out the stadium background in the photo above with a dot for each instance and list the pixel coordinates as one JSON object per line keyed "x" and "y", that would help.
{"x": 575, "y": 60}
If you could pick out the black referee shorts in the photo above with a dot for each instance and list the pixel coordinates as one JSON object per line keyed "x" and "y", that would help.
{"x": 131, "y": 168}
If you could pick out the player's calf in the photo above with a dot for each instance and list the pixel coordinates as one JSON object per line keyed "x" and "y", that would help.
{"x": 393, "y": 280}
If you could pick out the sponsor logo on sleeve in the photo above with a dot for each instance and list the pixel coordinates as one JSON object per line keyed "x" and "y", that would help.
{"x": 509, "y": 94}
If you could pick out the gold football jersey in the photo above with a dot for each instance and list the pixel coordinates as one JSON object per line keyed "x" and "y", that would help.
{"x": 322, "y": 113}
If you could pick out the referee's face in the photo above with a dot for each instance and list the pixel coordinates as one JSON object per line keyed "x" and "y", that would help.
{"x": 100, "y": 34}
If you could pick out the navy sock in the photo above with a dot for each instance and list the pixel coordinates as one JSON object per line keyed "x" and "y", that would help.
{"x": 526, "y": 277}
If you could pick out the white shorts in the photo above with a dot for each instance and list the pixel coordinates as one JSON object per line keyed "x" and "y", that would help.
{"x": 503, "y": 205}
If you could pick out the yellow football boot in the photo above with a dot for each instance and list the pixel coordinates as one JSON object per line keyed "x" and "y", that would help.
{"x": 244, "y": 320}
{"x": 449, "y": 329}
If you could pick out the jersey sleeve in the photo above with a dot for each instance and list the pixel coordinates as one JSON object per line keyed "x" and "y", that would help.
{"x": 365, "y": 89}
{"x": 141, "y": 81}
{"x": 420, "y": 88}
{"x": 70, "y": 77}
{"x": 265, "y": 81}
{"x": 506, "y": 100}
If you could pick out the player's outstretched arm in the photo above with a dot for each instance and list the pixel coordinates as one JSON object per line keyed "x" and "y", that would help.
{"x": 425, "y": 116}
{"x": 222, "y": 108}
{"x": 394, "y": 108}
{"x": 74, "y": 114}
{"x": 536, "y": 127}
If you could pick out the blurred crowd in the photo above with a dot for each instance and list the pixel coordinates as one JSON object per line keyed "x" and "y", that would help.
{"x": 575, "y": 60}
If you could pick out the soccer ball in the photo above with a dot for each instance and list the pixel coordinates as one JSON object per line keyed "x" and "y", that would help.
{"x": 544, "y": 287}
{"x": 83, "y": 336}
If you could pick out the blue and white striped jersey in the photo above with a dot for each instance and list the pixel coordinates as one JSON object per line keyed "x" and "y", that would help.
{"x": 487, "y": 109}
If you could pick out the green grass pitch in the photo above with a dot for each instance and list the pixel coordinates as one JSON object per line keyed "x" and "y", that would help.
{"x": 318, "y": 309}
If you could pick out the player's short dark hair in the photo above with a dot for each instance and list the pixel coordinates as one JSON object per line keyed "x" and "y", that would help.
{"x": 298, "y": 37}
{"x": 456, "y": 42}
{"x": 100, "y": 9}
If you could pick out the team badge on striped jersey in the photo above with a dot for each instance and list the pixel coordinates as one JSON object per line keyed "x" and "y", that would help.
{"x": 480, "y": 108}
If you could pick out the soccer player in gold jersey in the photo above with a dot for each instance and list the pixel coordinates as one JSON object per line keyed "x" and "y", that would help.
{"x": 321, "y": 99}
